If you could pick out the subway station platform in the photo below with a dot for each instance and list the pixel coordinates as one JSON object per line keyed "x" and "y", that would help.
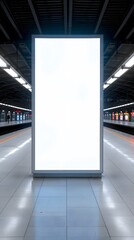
{"x": 66, "y": 208}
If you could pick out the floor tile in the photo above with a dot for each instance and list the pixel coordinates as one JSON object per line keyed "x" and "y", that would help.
{"x": 12, "y": 238}
{"x": 122, "y": 238}
{"x": 115, "y": 209}
{"x": 50, "y": 206}
{"x": 76, "y": 190}
{"x": 120, "y": 226}
{"x": 44, "y": 208}
{"x": 78, "y": 182}
{"x": 54, "y": 182}
{"x": 84, "y": 217}
{"x": 13, "y": 226}
{"x": 106, "y": 197}
{"x": 48, "y": 221}
{"x": 87, "y": 201}
{"x": 129, "y": 200}
{"x": 3, "y": 202}
{"x": 49, "y": 233}
{"x": 18, "y": 207}
{"x": 52, "y": 191}
{"x": 84, "y": 233}
{"x": 100, "y": 186}
{"x": 29, "y": 187}
{"x": 7, "y": 191}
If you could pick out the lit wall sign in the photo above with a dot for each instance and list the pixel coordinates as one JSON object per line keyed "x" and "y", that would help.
{"x": 67, "y": 88}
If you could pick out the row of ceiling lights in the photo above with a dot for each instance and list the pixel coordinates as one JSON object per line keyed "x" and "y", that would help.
{"x": 119, "y": 106}
{"x": 13, "y": 73}
{"x": 8, "y": 105}
{"x": 117, "y": 74}
{"x": 120, "y": 71}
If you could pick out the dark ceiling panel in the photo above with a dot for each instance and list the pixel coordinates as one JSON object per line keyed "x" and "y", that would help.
{"x": 19, "y": 19}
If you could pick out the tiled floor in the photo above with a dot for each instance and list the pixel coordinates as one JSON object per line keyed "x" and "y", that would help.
{"x": 66, "y": 209}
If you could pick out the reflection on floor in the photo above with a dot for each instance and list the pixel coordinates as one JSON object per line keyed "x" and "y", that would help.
{"x": 66, "y": 209}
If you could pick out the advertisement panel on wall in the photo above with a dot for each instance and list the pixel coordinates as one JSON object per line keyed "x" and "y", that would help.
{"x": 67, "y": 87}
{"x": 116, "y": 116}
{"x": 112, "y": 115}
{"x": 126, "y": 116}
{"x": 121, "y": 116}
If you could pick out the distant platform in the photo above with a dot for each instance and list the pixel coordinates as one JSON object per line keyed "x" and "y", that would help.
{"x": 12, "y": 126}
{"x": 13, "y": 123}
{"x": 123, "y": 126}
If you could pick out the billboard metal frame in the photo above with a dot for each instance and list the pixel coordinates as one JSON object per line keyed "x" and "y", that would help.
{"x": 67, "y": 173}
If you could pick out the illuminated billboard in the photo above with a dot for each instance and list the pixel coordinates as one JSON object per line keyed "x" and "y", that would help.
{"x": 67, "y": 89}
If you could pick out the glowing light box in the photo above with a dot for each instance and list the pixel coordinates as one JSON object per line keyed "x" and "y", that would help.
{"x": 67, "y": 105}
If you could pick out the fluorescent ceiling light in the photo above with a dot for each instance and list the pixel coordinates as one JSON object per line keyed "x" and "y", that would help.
{"x": 120, "y": 72}
{"x": 111, "y": 80}
{"x": 130, "y": 62}
{"x": 8, "y": 105}
{"x": 20, "y": 80}
{"x": 2, "y": 63}
{"x": 105, "y": 86}
{"x": 11, "y": 72}
{"x": 28, "y": 86}
{"x": 124, "y": 105}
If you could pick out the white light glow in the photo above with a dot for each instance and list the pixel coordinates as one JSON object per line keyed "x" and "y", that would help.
{"x": 12, "y": 106}
{"x": 2, "y": 63}
{"x": 120, "y": 72}
{"x": 105, "y": 86}
{"x": 23, "y": 144}
{"x": 28, "y": 86}
{"x": 12, "y": 152}
{"x": 119, "y": 151}
{"x": 11, "y": 72}
{"x": 130, "y": 62}
{"x": 67, "y": 82}
{"x": 123, "y": 105}
{"x": 20, "y": 80}
{"x": 111, "y": 80}
{"x": 23, "y": 203}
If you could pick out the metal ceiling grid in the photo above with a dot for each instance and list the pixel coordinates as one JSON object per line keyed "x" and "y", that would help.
{"x": 117, "y": 59}
{"x": 114, "y": 19}
{"x": 84, "y": 15}
{"x": 22, "y": 16}
{"x": 50, "y": 15}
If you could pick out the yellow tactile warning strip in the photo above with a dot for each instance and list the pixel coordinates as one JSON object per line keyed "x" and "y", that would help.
{"x": 121, "y": 136}
{"x": 5, "y": 139}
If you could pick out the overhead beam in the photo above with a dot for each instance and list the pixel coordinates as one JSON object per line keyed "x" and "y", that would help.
{"x": 124, "y": 21}
{"x": 10, "y": 18}
{"x": 70, "y": 16}
{"x": 101, "y": 15}
{"x": 130, "y": 33}
{"x": 65, "y": 16}
{"x": 4, "y": 32}
{"x": 21, "y": 55}
{"x": 34, "y": 15}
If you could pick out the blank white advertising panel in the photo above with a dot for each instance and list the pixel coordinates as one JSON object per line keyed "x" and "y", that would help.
{"x": 66, "y": 105}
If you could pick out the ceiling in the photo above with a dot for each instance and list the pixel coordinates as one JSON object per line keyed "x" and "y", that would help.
{"x": 19, "y": 19}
